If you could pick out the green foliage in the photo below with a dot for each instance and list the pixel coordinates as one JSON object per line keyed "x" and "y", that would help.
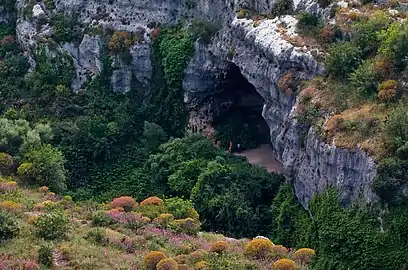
{"x": 365, "y": 33}
{"x": 6, "y": 163}
{"x": 308, "y": 24}
{"x": 52, "y": 225}
{"x": 17, "y": 136}
{"x": 49, "y": 4}
{"x": 45, "y": 255}
{"x": 153, "y": 136}
{"x": 397, "y": 126}
{"x": 101, "y": 219}
{"x": 342, "y": 58}
{"x": 96, "y": 235}
{"x": 394, "y": 44}
{"x": 173, "y": 48}
{"x": 9, "y": 227}
{"x": 290, "y": 220}
{"x": 390, "y": 179}
{"x": 49, "y": 168}
{"x": 66, "y": 28}
{"x": 227, "y": 201}
{"x": 365, "y": 79}
{"x": 179, "y": 208}
{"x": 283, "y": 7}
{"x": 5, "y": 30}
{"x": 351, "y": 238}
{"x": 182, "y": 181}
{"x": 26, "y": 172}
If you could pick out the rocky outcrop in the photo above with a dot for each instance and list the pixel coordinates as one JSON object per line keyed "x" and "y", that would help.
{"x": 263, "y": 56}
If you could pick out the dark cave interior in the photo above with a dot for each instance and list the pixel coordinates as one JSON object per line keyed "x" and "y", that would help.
{"x": 239, "y": 112}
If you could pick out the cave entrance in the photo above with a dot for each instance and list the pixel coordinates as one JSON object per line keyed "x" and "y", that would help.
{"x": 239, "y": 113}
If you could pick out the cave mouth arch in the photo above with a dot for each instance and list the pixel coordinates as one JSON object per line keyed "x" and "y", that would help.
{"x": 238, "y": 117}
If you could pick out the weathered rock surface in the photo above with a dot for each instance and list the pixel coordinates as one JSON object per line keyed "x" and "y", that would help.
{"x": 263, "y": 56}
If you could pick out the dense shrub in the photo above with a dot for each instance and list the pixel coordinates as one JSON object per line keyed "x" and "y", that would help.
{"x": 342, "y": 58}
{"x": 152, "y": 258}
{"x": 9, "y": 227}
{"x": 52, "y": 225}
{"x": 152, "y": 201}
{"x": 308, "y": 24}
{"x": 167, "y": 264}
{"x": 66, "y": 28}
{"x": 365, "y": 79}
{"x": 26, "y": 172}
{"x": 120, "y": 42}
{"x": 126, "y": 202}
{"x": 187, "y": 226}
{"x": 45, "y": 255}
{"x": 185, "y": 176}
{"x": 304, "y": 255}
{"x": 279, "y": 251}
{"x": 7, "y": 186}
{"x": 283, "y": 7}
{"x": 181, "y": 208}
{"x": 387, "y": 91}
{"x": 164, "y": 220}
{"x": 201, "y": 265}
{"x": 284, "y": 264}
{"x": 102, "y": 219}
{"x": 394, "y": 44}
{"x": 259, "y": 248}
{"x": 219, "y": 246}
{"x": 11, "y": 207}
{"x": 96, "y": 235}
{"x": 48, "y": 166}
{"x": 365, "y": 33}
{"x": 397, "y": 126}
{"x": 49, "y": 4}
{"x": 6, "y": 164}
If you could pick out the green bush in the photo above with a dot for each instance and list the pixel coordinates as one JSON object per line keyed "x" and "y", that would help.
{"x": 397, "y": 126}
{"x": 66, "y": 28}
{"x": 101, "y": 219}
{"x": 45, "y": 255}
{"x": 9, "y": 227}
{"x": 341, "y": 59}
{"x": 5, "y": 30}
{"x": 283, "y": 7}
{"x": 49, "y": 4}
{"x": 6, "y": 163}
{"x": 309, "y": 24}
{"x": 26, "y": 172}
{"x": 365, "y": 33}
{"x": 96, "y": 235}
{"x": 394, "y": 44}
{"x": 49, "y": 167}
{"x": 179, "y": 208}
{"x": 365, "y": 79}
{"x": 52, "y": 225}
{"x": 187, "y": 226}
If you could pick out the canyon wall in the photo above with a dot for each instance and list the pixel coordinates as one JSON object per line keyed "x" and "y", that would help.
{"x": 259, "y": 49}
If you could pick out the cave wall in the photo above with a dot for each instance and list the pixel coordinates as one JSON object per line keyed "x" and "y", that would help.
{"x": 263, "y": 56}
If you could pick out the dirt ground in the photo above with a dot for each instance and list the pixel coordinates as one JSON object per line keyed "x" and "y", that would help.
{"x": 263, "y": 156}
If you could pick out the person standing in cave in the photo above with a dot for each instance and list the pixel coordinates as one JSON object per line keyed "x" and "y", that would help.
{"x": 238, "y": 148}
{"x": 230, "y": 146}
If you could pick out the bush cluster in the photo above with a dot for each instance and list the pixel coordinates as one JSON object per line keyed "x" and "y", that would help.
{"x": 152, "y": 258}
{"x": 9, "y": 228}
{"x": 167, "y": 264}
{"x": 219, "y": 246}
{"x": 259, "y": 248}
{"x": 342, "y": 58}
{"x": 284, "y": 264}
{"x": 125, "y": 202}
{"x": 52, "y": 225}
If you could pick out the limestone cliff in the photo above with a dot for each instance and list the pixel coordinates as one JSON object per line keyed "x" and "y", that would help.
{"x": 258, "y": 49}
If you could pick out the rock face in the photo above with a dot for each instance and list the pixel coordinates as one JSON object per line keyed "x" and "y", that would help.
{"x": 263, "y": 57}
{"x": 258, "y": 49}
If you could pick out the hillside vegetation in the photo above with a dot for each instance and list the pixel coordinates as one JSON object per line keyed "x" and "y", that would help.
{"x": 40, "y": 229}
{"x": 99, "y": 179}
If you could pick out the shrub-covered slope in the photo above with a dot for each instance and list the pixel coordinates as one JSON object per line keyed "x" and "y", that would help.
{"x": 40, "y": 229}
